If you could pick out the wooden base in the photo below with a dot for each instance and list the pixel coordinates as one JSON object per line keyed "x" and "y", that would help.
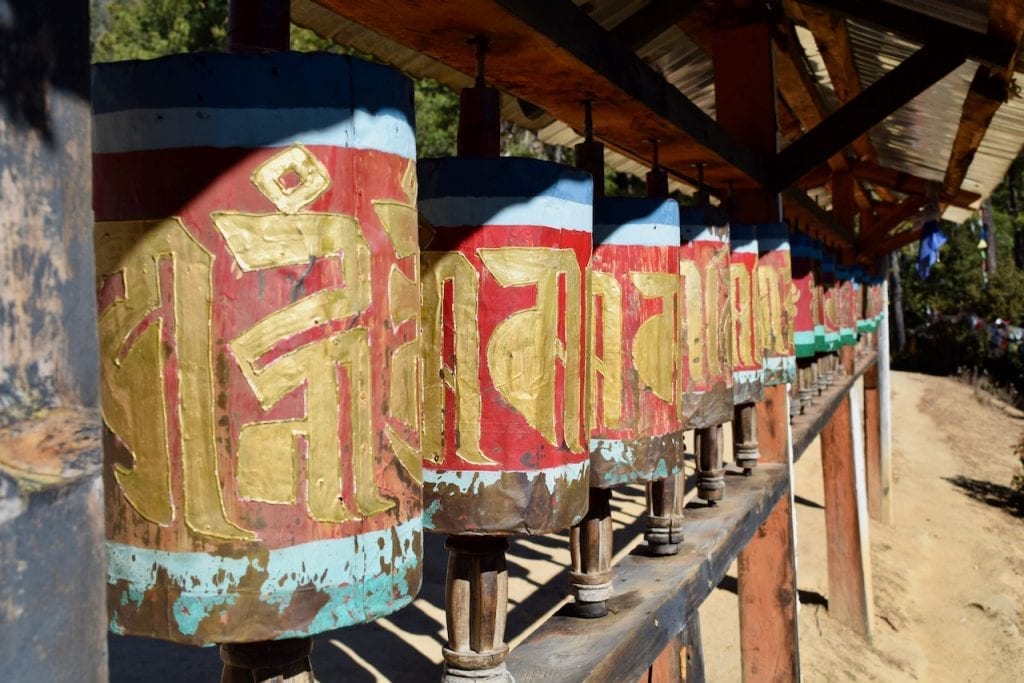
{"x": 744, "y": 436}
{"x": 591, "y": 550}
{"x": 281, "y": 661}
{"x": 476, "y": 605}
{"x": 665, "y": 515}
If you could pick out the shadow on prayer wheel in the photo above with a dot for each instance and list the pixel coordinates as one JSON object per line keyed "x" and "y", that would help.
{"x": 506, "y": 248}
{"x": 257, "y": 262}
{"x": 707, "y": 380}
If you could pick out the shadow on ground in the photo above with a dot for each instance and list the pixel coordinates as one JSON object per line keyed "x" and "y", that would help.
{"x": 996, "y": 495}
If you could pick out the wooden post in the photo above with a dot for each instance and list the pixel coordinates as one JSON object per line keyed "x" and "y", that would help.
{"x": 769, "y": 643}
{"x": 884, "y": 411}
{"x": 872, "y": 443}
{"x": 710, "y": 468}
{"x": 848, "y": 599}
{"x": 281, "y": 661}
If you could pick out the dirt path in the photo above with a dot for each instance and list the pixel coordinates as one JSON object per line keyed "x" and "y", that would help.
{"x": 948, "y": 575}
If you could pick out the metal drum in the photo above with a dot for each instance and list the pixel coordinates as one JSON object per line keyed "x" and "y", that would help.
{"x": 504, "y": 322}
{"x": 257, "y": 266}
{"x": 805, "y": 296}
{"x": 830, "y": 301}
{"x": 707, "y": 320}
{"x": 776, "y": 307}
{"x": 747, "y": 365}
{"x": 636, "y": 428}
{"x": 817, "y": 260}
{"x": 846, "y": 305}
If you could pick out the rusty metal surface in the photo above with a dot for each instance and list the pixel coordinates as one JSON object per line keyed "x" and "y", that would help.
{"x": 504, "y": 344}
{"x": 635, "y": 346}
{"x": 259, "y": 344}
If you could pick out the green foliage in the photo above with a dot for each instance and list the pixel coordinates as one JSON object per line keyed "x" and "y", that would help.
{"x": 144, "y": 29}
{"x": 437, "y": 119}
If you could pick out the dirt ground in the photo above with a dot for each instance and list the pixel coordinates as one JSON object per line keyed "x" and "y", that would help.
{"x": 948, "y": 575}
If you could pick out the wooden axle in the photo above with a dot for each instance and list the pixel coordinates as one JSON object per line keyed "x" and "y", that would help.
{"x": 476, "y": 604}
{"x": 744, "y": 437}
{"x": 665, "y": 515}
{"x": 710, "y": 469}
{"x": 591, "y": 549}
{"x": 281, "y": 661}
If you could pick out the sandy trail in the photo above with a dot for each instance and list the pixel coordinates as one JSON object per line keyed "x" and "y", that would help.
{"x": 948, "y": 575}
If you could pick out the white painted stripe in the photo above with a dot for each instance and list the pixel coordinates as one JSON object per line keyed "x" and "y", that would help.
{"x": 746, "y": 376}
{"x": 744, "y": 247}
{"x": 787, "y": 363}
{"x": 803, "y": 337}
{"x": 545, "y": 212}
{"x": 638, "y": 234}
{"x": 470, "y": 481}
{"x": 139, "y": 130}
{"x": 692, "y": 233}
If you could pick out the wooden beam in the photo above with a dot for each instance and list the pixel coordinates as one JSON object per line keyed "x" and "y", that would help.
{"x": 651, "y": 21}
{"x": 897, "y": 241}
{"x": 872, "y": 446}
{"x": 916, "y": 74}
{"x": 889, "y": 220}
{"x": 922, "y": 28}
{"x": 989, "y": 89}
{"x": 907, "y": 183}
{"x": 538, "y": 48}
{"x": 797, "y": 205}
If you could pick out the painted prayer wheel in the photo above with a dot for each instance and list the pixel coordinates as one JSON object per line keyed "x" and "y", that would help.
{"x": 257, "y": 264}
{"x": 707, "y": 380}
{"x": 776, "y": 306}
{"x": 846, "y": 305}
{"x": 636, "y": 429}
{"x": 806, "y": 313}
{"x": 747, "y": 364}
{"x": 504, "y": 324}
{"x": 817, "y": 260}
{"x": 830, "y": 300}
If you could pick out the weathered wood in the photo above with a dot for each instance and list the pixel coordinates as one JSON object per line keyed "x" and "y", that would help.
{"x": 693, "y": 651}
{"x": 710, "y": 468}
{"x": 907, "y": 183}
{"x": 922, "y": 28}
{"x": 279, "y": 661}
{"x": 667, "y": 667}
{"x": 891, "y": 244}
{"x": 872, "y": 453}
{"x": 651, "y": 21}
{"x": 590, "y": 544}
{"x": 878, "y": 230}
{"x": 885, "y": 411}
{"x": 653, "y": 597}
{"x": 890, "y": 92}
{"x": 808, "y": 426}
{"x": 849, "y": 600}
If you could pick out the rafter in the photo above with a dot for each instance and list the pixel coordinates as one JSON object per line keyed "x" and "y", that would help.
{"x": 908, "y": 184}
{"x": 878, "y": 230}
{"x": 897, "y": 241}
{"x": 905, "y": 82}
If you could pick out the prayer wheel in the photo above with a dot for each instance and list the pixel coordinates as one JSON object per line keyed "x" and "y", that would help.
{"x": 831, "y": 301}
{"x": 257, "y": 264}
{"x": 707, "y": 384}
{"x": 503, "y": 270}
{"x": 776, "y": 307}
{"x": 636, "y": 428}
{"x": 847, "y": 305}
{"x": 747, "y": 364}
{"x": 817, "y": 259}
{"x": 806, "y": 313}
{"x": 707, "y": 379}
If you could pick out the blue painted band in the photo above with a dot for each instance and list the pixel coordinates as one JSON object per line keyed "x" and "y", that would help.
{"x": 701, "y": 233}
{"x": 746, "y": 376}
{"x": 542, "y": 211}
{"x": 142, "y": 130}
{"x": 773, "y": 237}
{"x": 642, "y": 222}
{"x": 512, "y": 177}
{"x": 621, "y": 457}
{"x": 742, "y": 233}
{"x": 291, "y": 94}
{"x": 469, "y": 482}
{"x": 364, "y": 577}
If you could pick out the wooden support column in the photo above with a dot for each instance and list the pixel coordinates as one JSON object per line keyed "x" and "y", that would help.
{"x": 848, "y": 594}
{"x": 872, "y": 443}
{"x": 745, "y": 102}
{"x": 885, "y": 411}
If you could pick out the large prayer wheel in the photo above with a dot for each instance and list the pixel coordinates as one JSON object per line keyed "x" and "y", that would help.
{"x": 635, "y": 350}
{"x": 504, "y": 325}
{"x": 257, "y": 264}
{"x": 847, "y": 306}
{"x": 776, "y": 307}
{"x": 805, "y": 296}
{"x": 817, "y": 260}
{"x": 747, "y": 365}
{"x": 707, "y": 320}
